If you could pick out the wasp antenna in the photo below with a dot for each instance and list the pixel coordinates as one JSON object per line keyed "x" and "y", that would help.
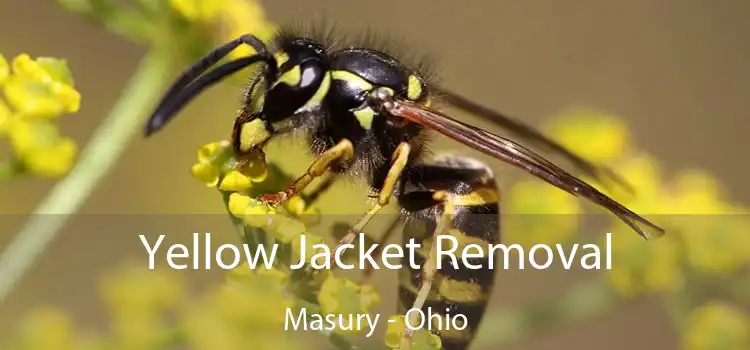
{"x": 169, "y": 108}
{"x": 175, "y": 94}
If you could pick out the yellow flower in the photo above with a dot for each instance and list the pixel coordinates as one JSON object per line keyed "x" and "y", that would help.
{"x": 4, "y": 69}
{"x": 6, "y": 116}
{"x": 715, "y": 233}
{"x": 43, "y": 151}
{"x": 649, "y": 197}
{"x": 239, "y": 17}
{"x": 198, "y": 10}
{"x": 211, "y": 158}
{"x": 233, "y": 18}
{"x": 215, "y": 161}
{"x": 235, "y": 181}
{"x": 238, "y": 204}
{"x": 249, "y": 310}
{"x": 211, "y": 150}
{"x": 717, "y": 243}
{"x": 539, "y": 213}
{"x": 297, "y": 206}
{"x": 53, "y": 161}
{"x": 206, "y": 173}
{"x": 252, "y": 212}
{"x": 696, "y": 192}
{"x": 422, "y": 340}
{"x": 138, "y": 330}
{"x": 41, "y": 88}
{"x": 642, "y": 173}
{"x": 640, "y": 266}
{"x": 273, "y": 275}
{"x": 47, "y": 329}
{"x": 259, "y": 301}
{"x": 311, "y": 241}
{"x": 341, "y": 295}
{"x": 137, "y": 299}
{"x": 136, "y": 290}
{"x": 597, "y": 136}
{"x": 717, "y": 326}
{"x": 287, "y": 229}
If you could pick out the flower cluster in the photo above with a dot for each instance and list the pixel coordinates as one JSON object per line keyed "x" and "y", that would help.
{"x": 240, "y": 181}
{"x": 705, "y": 230}
{"x": 188, "y": 27}
{"x": 248, "y": 309}
{"x": 706, "y": 233}
{"x": 36, "y": 93}
{"x": 233, "y": 18}
{"x": 717, "y": 325}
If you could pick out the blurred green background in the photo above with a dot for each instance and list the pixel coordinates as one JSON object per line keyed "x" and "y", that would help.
{"x": 675, "y": 70}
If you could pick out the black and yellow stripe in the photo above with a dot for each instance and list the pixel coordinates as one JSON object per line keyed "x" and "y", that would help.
{"x": 473, "y": 198}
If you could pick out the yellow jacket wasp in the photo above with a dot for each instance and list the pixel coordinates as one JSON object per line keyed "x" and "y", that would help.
{"x": 366, "y": 113}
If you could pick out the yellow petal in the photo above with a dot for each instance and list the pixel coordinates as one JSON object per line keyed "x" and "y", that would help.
{"x": 4, "y": 69}
{"x": 69, "y": 98}
{"x": 198, "y": 10}
{"x": 597, "y": 136}
{"x": 258, "y": 214}
{"x": 52, "y": 161}
{"x": 310, "y": 241}
{"x": 395, "y": 331}
{"x": 537, "y": 197}
{"x": 205, "y": 173}
{"x": 48, "y": 329}
{"x": 24, "y": 66}
{"x": 35, "y": 98}
{"x": 288, "y": 229}
{"x": 717, "y": 325}
{"x": 5, "y": 117}
{"x": 276, "y": 275}
{"x": 207, "y": 151}
{"x": 28, "y": 135}
{"x": 240, "y": 17}
{"x": 235, "y": 181}
{"x": 238, "y": 204}
{"x": 370, "y": 297}
{"x": 697, "y": 192}
{"x": 295, "y": 205}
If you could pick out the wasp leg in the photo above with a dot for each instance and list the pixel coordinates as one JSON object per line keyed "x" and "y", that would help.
{"x": 341, "y": 152}
{"x": 429, "y": 270}
{"x": 400, "y": 158}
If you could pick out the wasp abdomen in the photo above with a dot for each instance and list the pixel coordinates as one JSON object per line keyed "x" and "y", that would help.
{"x": 462, "y": 285}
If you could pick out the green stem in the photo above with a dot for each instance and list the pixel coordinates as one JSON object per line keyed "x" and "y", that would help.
{"x": 107, "y": 144}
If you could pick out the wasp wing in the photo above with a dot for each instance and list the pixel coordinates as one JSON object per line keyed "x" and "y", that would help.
{"x": 530, "y": 134}
{"x": 517, "y": 155}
